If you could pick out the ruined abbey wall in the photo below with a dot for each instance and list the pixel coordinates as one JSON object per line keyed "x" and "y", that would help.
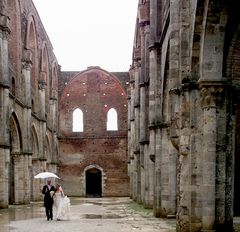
{"x": 93, "y": 159}
{"x": 184, "y": 112}
{"x": 28, "y": 103}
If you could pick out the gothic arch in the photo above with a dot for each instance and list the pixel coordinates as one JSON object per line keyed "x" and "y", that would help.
{"x": 15, "y": 134}
{"x": 15, "y": 151}
{"x": 31, "y": 45}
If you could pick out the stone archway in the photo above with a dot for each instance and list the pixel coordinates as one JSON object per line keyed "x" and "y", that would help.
{"x": 93, "y": 181}
{"x": 15, "y": 149}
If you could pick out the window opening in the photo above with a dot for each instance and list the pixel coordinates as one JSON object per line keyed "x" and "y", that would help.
{"x": 112, "y": 122}
{"x": 77, "y": 120}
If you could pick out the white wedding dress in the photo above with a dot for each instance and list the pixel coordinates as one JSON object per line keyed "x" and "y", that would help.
{"x": 62, "y": 205}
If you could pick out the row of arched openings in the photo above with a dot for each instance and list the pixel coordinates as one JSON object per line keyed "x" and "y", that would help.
{"x": 112, "y": 120}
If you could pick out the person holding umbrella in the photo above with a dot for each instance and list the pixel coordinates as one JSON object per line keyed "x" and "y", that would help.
{"x": 48, "y": 191}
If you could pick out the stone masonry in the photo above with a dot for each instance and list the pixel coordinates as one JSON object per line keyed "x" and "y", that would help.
{"x": 184, "y": 112}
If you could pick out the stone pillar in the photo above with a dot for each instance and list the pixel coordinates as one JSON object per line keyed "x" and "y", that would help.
{"x": 42, "y": 113}
{"x": 211, "y": 94}
{"x": 41, "y": 89}
{"x": 26, "y": 72}
{"x": 4, "y": 112}
{"x": 131, "y": 132}
{"x": 137, "y": 134}
{"x": 152, "y": 122}
{"x": 54, "y": 126}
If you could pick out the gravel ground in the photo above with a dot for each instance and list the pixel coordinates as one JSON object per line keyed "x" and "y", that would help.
{"x": 87, "y": 215}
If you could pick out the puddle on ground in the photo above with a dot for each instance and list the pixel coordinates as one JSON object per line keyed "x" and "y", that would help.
{"x": 101, "y": 216}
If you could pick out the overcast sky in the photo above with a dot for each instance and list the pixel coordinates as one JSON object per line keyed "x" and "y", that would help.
{"x": 90, "y": 32}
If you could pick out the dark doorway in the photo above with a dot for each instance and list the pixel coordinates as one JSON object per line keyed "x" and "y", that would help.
{"x": 236, "y": 207}
{"x": 11, "y": 195}
{"x": 93, "y": 183}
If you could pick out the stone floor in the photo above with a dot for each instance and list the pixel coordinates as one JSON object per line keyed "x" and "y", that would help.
{"x": 87, "y": 215}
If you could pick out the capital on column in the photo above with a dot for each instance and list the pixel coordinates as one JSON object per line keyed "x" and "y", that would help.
{"x": 212, "y": 93}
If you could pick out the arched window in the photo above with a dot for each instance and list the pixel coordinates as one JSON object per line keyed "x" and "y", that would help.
{"x": 77, "y": 120}
{"x": 112, "y": 122}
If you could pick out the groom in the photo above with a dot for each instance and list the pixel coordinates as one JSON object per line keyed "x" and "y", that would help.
{"x": 48, "y": 200}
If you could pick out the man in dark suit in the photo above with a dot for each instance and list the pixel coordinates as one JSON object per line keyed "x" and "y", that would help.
{"x": 48, "y": 200}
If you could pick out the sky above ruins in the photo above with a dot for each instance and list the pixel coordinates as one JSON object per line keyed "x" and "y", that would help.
{"x": 90, "y": 33}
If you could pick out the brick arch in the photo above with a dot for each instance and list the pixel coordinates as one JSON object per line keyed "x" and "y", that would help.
{"x": 97, "y": 69}
{"x": 95, "y": 91}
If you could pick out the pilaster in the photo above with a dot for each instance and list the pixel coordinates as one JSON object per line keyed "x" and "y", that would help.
{"x": 212, "y": 96}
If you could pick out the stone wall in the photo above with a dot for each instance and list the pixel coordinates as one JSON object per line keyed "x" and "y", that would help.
{"x": 183, "y": 110}
{"x": 28, "y": 87}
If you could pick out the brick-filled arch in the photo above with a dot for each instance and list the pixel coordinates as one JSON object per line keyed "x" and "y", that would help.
{"x": 95, "y": 92}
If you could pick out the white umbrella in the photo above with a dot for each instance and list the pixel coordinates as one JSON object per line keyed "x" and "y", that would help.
{"x": 44, "y": 175}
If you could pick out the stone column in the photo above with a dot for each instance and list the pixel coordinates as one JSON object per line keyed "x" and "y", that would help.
{"x": 54, "y": 124}
{"x": 131, "y": 132}
{"x": 4, "y": 112}
{"x": 42, "y": 142}
{"x": 152, "y": 121}
{"x": 26, "y": 73}
{"x": 210, "y": 96}
{"x": 41, "y": 89}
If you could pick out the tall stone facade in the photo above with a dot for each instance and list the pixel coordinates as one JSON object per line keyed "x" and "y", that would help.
{"x": 91, "y": 158}
{"x": 184, "y": 112}
{"x": 28, "y": 103}
{"x": 92, "y": 153}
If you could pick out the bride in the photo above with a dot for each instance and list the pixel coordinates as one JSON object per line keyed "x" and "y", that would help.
{"x": 62, "y": 204}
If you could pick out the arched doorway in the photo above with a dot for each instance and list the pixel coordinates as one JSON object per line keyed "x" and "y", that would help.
{"x": 15, "y": 149}
{"x": 93, "y": 183}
